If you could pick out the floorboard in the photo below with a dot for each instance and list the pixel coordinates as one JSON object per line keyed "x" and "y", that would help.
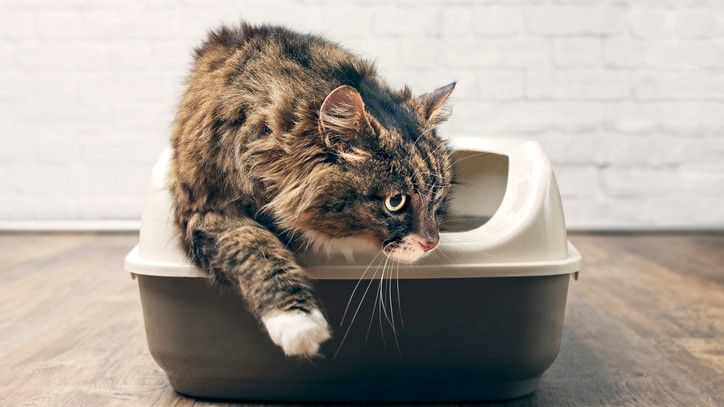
{"x": 644, "y": 324}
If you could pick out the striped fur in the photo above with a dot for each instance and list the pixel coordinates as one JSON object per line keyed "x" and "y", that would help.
{"x": 260, "y": 168}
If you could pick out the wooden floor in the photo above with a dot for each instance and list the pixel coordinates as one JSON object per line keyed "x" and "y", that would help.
{"x": 644, "y": 324}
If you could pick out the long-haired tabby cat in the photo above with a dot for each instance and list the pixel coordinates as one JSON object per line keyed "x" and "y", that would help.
{"x": 283, "y": 140}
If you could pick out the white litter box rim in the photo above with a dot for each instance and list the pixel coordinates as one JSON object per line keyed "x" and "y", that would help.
{"x": 135, "y": 264}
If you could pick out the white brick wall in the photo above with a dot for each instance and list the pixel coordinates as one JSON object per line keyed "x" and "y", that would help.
{"x": 627, "y": 97}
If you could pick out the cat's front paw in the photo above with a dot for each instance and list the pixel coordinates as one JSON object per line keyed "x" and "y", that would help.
{"x": 297, "y": 333}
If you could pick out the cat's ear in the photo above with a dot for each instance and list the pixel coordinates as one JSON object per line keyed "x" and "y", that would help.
{"x": 342, "y": 115}
{"x": 432, "y": 105}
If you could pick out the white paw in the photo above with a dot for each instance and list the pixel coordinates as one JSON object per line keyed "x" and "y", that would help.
{"x": 297, "y": 333}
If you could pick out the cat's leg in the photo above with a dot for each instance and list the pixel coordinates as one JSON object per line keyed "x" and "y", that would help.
{"x": 242, "y": 253}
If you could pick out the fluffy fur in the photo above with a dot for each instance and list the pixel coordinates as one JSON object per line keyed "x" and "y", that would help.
{"x": 284, "y": 140}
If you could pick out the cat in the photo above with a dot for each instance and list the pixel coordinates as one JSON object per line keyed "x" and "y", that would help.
{"x": 284, "y": 140}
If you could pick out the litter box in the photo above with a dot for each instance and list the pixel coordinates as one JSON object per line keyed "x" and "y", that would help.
{"x": 479, "y": 320}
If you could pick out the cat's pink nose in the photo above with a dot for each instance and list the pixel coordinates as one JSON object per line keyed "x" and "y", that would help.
{"x": 427, "y": 245}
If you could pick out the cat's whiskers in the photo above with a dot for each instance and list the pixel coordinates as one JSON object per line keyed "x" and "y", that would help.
{"x": 449, "y": 261}
{"x": 399, "y": 303}
{"x": 354, "y": 290}
{"x": 463, "y": 159}
{"x": 369, "y": 325}
{"x": 392, "y": 309}
{"x": 374, "y": 306}
{"x": 423, "y": 134}
{"x": 381, "y": 299}
{"x": 390, "y": 320}
{"x": 364, "y": 295}
{"x": 442, "y": 145}
{"x": 433, "y": 174}
{"x": 494, "y": 256}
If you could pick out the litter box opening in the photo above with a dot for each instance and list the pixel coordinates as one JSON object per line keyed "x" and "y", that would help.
{"x": 481, "y": 180}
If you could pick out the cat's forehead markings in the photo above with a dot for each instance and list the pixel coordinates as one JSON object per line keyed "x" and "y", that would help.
{"x": 420, "y": 172}
{"x": 391, "y": 112}
{"x": 390, "y": 139}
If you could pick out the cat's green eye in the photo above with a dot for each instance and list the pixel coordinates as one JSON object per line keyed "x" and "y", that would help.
{"x": 395, "y": 202}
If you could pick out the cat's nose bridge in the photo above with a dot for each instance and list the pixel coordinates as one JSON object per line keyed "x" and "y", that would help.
{"x": 429, "y": 235}
{"x": 425, "y": 227}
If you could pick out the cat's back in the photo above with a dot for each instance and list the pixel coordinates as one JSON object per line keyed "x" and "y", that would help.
{"x": 246, "y": 54}
{"x": 252, "y": 94}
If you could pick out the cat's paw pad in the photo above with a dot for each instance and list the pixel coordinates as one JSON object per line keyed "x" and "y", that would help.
{"x": 298, "y": 333}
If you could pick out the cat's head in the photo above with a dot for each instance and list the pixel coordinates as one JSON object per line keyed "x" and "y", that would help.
{"x": 389, "y": 172}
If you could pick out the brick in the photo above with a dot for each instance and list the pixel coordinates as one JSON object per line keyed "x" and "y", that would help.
{"x": 577, "y": 52}
{"x": 13, "y": 89}
{"x": 59, "y": 146}
{"x": 54, "y": 113}
{"x": 125, "y": 88}
{"x": 643, "y": 212}
{"x": 691, "y": 118}
{"x": 4, "y": 187}
{"x": 654, "y": 150}
{"x": 591, "y": 85}
{"x": 418, "y": 21}
{"x": 61, "y": 57}
{"x": 57, "y": 26}
{"x": 500, "y": 85}
{"x": 700, "y": 85}
{"x": 17, "y": 25}
{"x": 29, "y": 207}
{"x": 568, "y": 149}
{"x": 457, "y": 21}
{"x": 121, "y": 25}
{"x": 483, "y": 21}
{"x": 562, "y": 117}
{"x": 514, "y": 53}
{"x": 624, "y": 52}
{"x": 574, "y": 19}
{"x": 465, "y": 119}
{"x": 686, "y": 54}
{"x": 420, "y": 54}
{"x": 16, "y": 149}
{"x": 196, "y": 22}
{"x": 676, "y": 23}
{"x": 578, "y": 181}
{"x": 383, "y": 51}
{"x": 646, "y": 23}
{"x": 144, "y": 118}
{"x": 342, "y": 23}
{"x": 7, "y": 57}
{"x": 630, "y": 117}
{"x": 135, "y": 56}
{"x": 575, "y": 117}
{"x": 98, "y": 152}
{"x": 647, "y": 182}
{"x": 683, "y": 211}
{"x": 528, "y": 119}
{"x": 497, "y": 21}
{"x": 492, "y": 119}
{"x": 100, "y": 207}
{"x": 50, "y": 88}
{"x": 43, "y": 4}
{"x": 129, "y": 180}
{"x": 589, "y": 213}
